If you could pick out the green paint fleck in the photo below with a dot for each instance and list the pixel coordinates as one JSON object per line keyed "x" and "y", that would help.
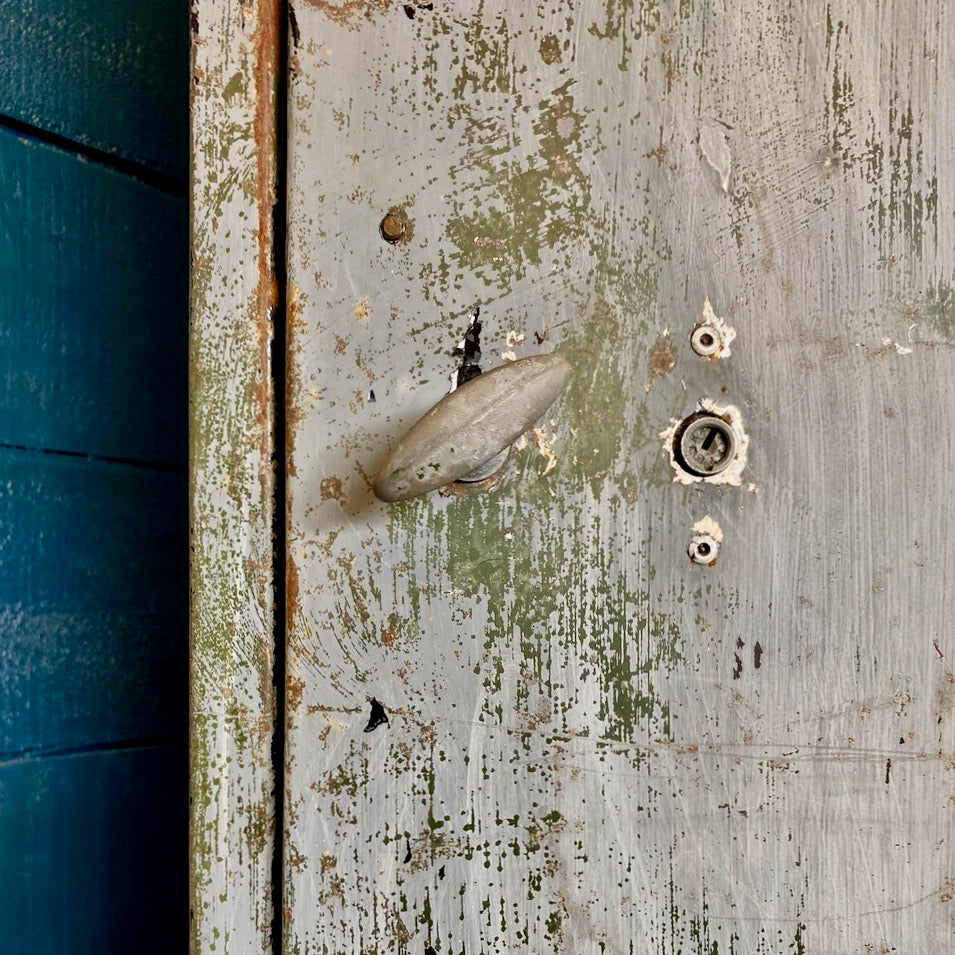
{"x": 939, "y": 310}
{"x": 626, "y": 21}
{"x": 235, "y": 87}
{"x": 525, "y": 208}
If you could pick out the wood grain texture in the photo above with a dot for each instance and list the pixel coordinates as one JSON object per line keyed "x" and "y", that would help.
{"x": 93, "y": 332}
{"x": 93, "y": 607}
{"x": 88, "y": 865}
{"x": 593, "y": 745}
{"x": 231, "y": 480}
{"x": 93, "y": 577}
{"x": 106, "y": 73}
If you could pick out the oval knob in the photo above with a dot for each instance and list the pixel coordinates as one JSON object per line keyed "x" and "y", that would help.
{"x": 471, "y": 425}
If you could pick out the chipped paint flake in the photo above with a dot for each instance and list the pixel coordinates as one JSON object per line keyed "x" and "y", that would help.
{"x": 717, "y": 153}
{"x": 362, "y": 309}
{"x": 724, "y": 333}
{"x": 709, "y": 527}
{"x": 545, "y": 446}
{"x": 901, "y": 349}
{"x": 514, "y": 338}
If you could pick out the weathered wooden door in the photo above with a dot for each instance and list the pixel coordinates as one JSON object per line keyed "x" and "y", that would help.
{"x": 522, "y": 718}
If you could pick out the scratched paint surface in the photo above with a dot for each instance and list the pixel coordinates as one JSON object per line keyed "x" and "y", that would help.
{"x": 592, "y": 744}
{"x": 232, "y": 700}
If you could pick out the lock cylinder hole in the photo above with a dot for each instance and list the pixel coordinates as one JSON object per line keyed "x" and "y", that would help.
{"x": 704, "y": 445}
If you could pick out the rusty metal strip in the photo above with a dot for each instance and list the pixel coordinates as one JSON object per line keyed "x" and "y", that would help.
{"x": 234, "y": 297}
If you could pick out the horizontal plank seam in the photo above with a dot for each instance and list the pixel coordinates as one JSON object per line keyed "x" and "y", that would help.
{"x": 16, "y": 758}
{"x": 164, "y": 182}
{"x": 99, "y": 458}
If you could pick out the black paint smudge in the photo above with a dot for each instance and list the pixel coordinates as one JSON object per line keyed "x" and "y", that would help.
{"x": 757, "y": 655}
{"x": 738, "y": 671}
{"x": 441, "y": 872}
{"x": 888, "y": 769}
{"x": 428, "y": 950}
{"x": 471, "y": 350}
{"x": 371, "y": 395}
{"x": 407, "y": 858}
{"x": 376, "y": 717}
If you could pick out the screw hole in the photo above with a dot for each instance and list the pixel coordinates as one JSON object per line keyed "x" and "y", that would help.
{"x": 706, "y": 341}
{"x": 703, "y": 549}
{"x": 391, "y": 228}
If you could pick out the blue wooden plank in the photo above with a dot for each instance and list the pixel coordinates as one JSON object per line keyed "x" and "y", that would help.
{"x": 93, "y": 332}
{"x": 108, "y": 73}
{"x": 94, "y": 853}
{"x": 93, "y": 602}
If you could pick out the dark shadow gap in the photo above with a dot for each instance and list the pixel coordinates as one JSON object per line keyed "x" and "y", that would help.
{"x": 100, "y": 458}
{"x": 279, "y": 515}
{"x": 14, "y": 758}
{"x": 164, "y": 182}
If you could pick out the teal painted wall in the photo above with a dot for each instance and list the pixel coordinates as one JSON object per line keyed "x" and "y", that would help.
{"x": 93, "y": 485}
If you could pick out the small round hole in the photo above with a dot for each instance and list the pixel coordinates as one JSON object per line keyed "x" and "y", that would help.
{"x": 705, "y": 341}
{"x": 703, "y": 550}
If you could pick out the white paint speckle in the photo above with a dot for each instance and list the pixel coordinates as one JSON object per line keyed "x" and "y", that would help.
{"x": 901, "y": 349}
{"x": 545, "y": 445}
{"x": 514, "y": 338}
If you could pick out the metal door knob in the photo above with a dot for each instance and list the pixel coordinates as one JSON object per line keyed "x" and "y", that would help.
{"x": 471, "y": 426}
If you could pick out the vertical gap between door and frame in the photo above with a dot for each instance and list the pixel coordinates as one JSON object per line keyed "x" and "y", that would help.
{"x": 280, "y": 446}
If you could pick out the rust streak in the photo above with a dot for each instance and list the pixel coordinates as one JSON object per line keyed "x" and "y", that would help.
{"x": 264, "y": 130}
{"x": 347, "y": 12}
{"x": 291, "y": 591}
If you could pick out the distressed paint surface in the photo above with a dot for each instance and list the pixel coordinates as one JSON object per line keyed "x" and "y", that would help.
{"x": 593, "y": 745}
{"x": 231, "y": 482}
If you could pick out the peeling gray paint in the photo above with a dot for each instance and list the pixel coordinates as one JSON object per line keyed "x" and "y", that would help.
{"x": 593, "y": 745}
